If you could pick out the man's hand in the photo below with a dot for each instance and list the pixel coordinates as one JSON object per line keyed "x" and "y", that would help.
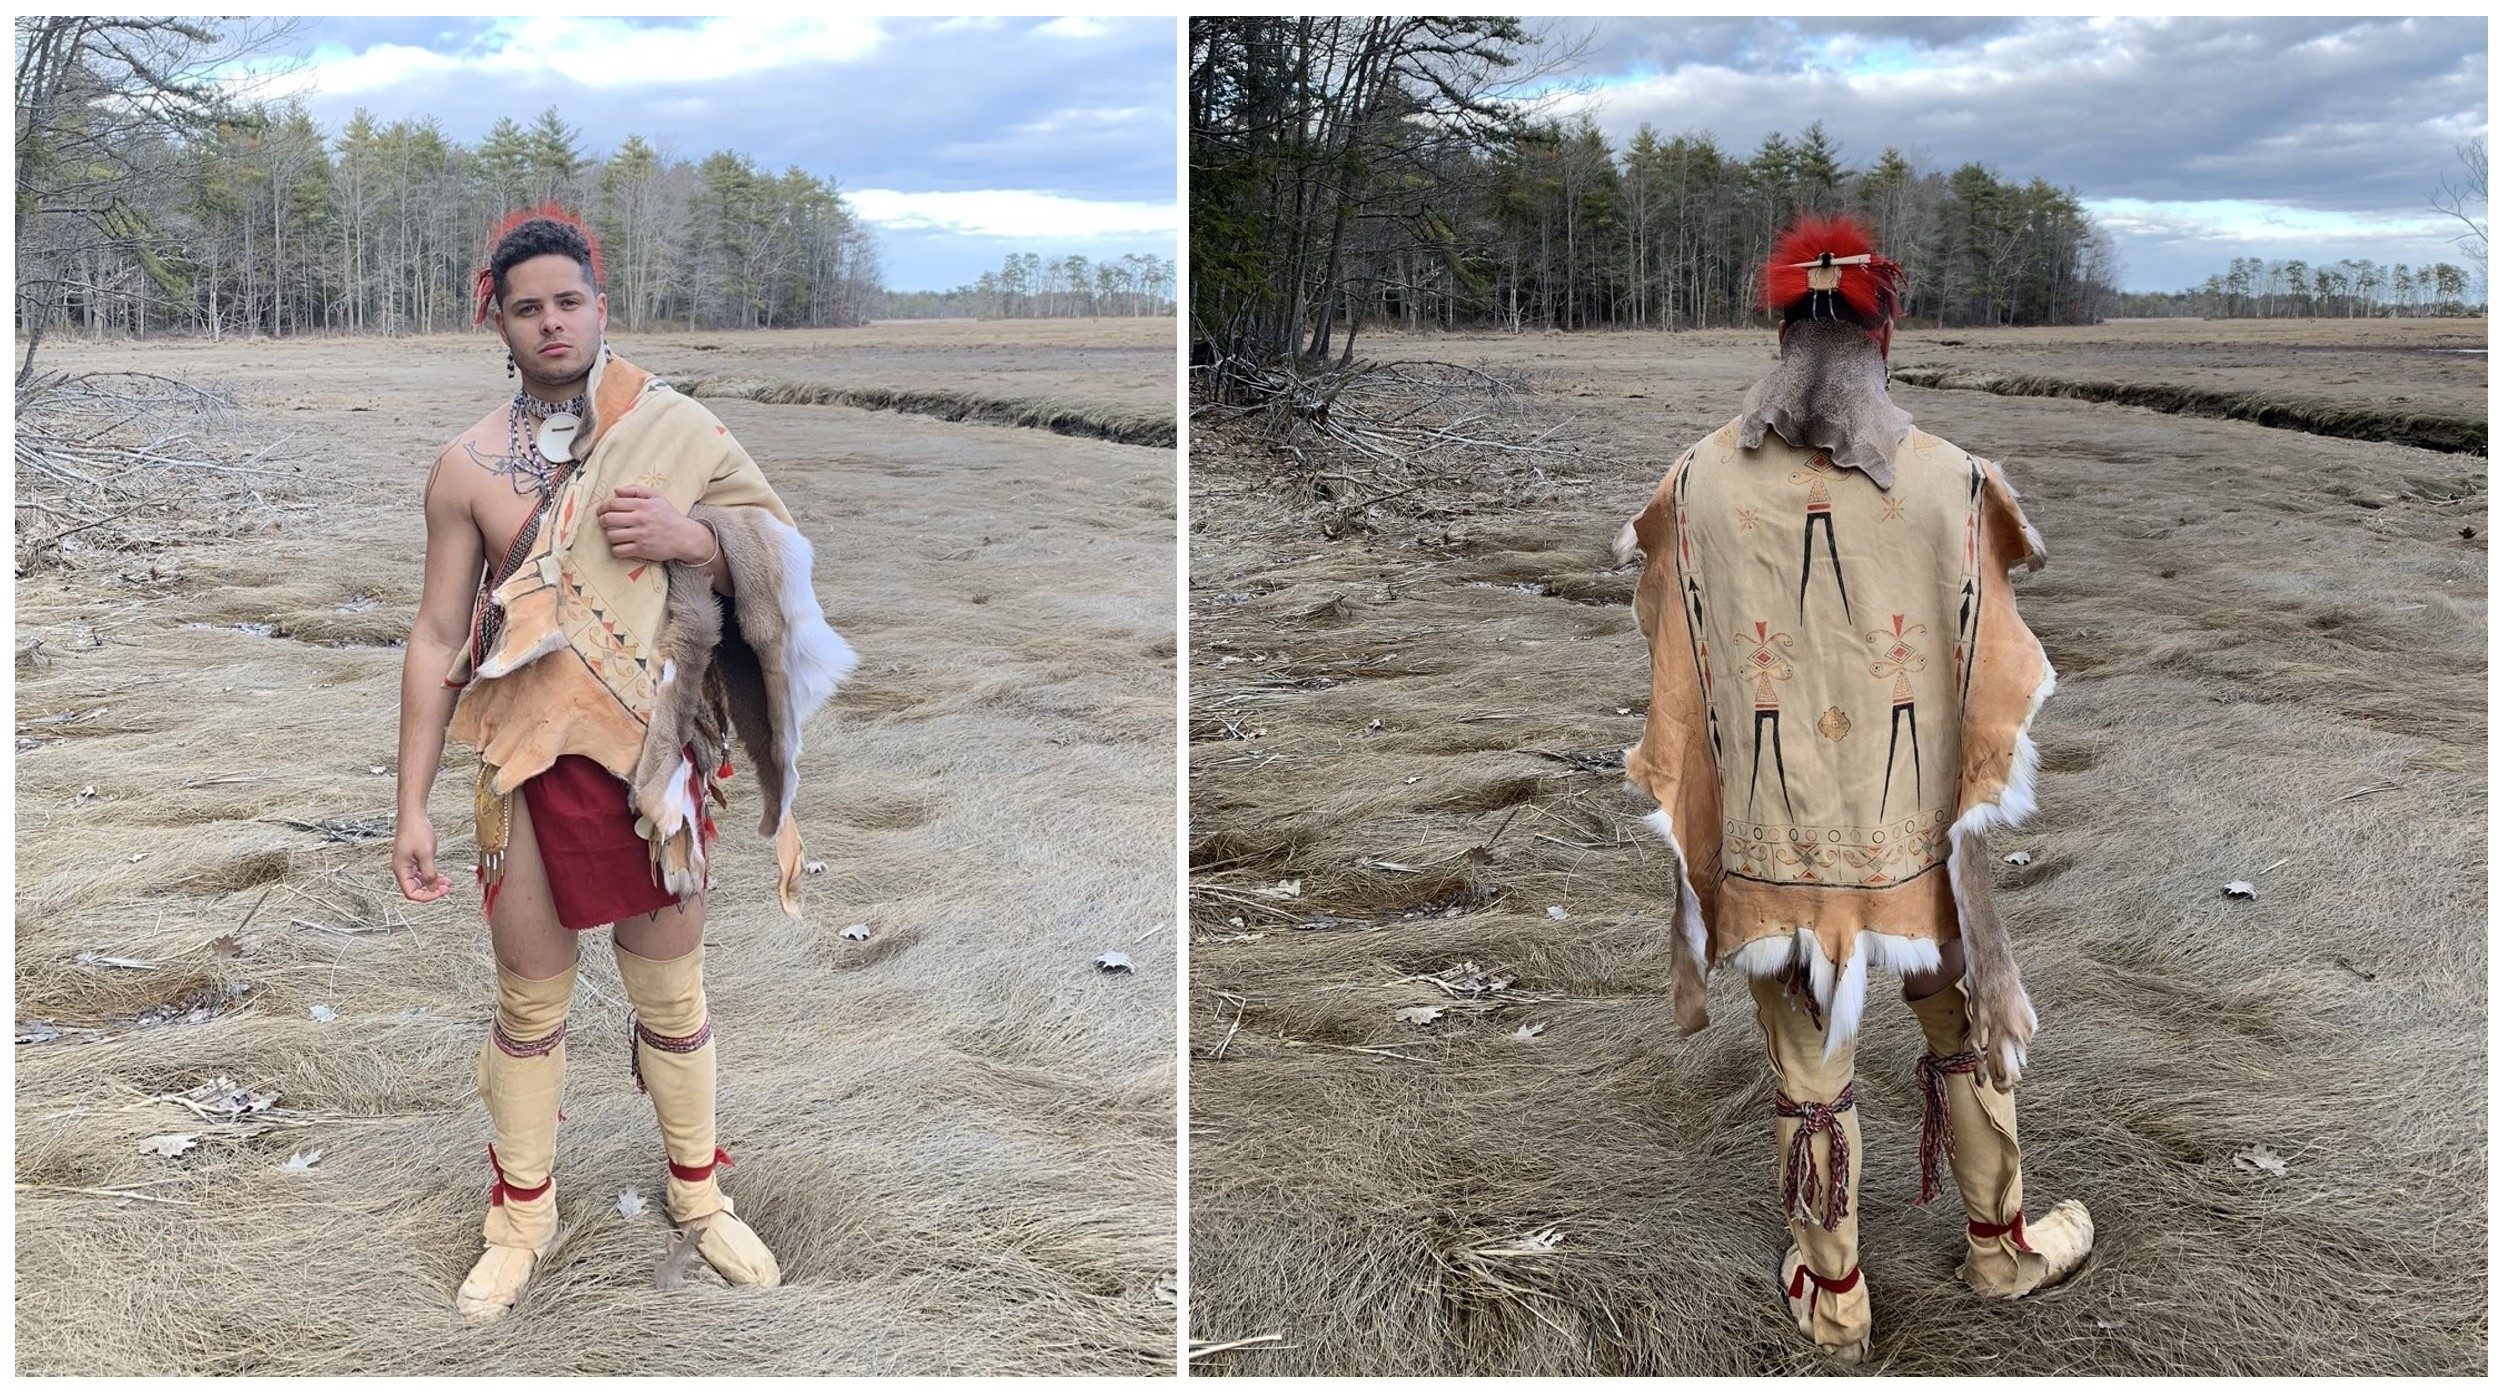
{"x": 643, "y": 527}
{"x": 413, "y": 860}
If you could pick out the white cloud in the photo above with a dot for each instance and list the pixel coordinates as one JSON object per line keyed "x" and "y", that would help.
{"x": 1013, "y": 213}
{"x": 1075, "y": 27}
{"x": 2252, "y": 221}
{"x": 1081, "y": 119}
{"x": 598, "y": 53}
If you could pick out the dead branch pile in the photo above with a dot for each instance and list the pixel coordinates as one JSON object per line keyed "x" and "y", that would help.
{"x": 1362, "y": 435}
{"x": 114, "y": 462}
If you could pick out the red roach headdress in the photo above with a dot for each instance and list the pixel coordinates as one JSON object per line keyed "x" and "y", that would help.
{"x": 1824, "y": 267}
{"x": 553, "y": 212}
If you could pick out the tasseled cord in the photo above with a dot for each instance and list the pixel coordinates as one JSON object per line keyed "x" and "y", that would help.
{"x": 1800, "y": 1160}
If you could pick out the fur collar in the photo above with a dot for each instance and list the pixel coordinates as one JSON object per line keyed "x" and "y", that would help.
{"x": 1829, "y": 394}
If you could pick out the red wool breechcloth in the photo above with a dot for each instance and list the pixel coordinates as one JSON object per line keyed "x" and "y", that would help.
{"x": 599, "y": 868}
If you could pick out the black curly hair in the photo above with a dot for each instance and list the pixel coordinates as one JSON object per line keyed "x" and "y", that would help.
{"x": 542, "y": 237}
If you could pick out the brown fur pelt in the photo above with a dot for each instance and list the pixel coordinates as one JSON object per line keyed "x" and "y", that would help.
{"x": 1829, "y": 393}
{"x": 2000, "y": 1021}
{"x": 726, "y": 667}
{"x": 691, "y": 629}
{"x": 754, "y": 669}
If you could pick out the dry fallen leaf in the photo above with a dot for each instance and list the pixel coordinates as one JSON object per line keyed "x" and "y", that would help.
{"x": 2260, "y": 1159}
{"x": 226, "y": 947}
{"x": 2019, "y": 858}
{"x": 1418, "y": 1016}
{"x": 2242, "y": 891}
{"x": 324, "y": 1012}
{"x": 630, "y": 1203}
{"x": 856, "y": 932}
{"x": 219, "y": 1097}
{"x": 1529, "y": 1030}
{"x": 670, "y": 1271}
{"x": 1113, "y": 963}
{"x": 168, "y": 1145}
{"x": 301, "y": 1162}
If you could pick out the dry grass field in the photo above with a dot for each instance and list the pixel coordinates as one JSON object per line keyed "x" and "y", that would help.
{"x": 1408, "y": 704}
{"x": 957, "y": 1134}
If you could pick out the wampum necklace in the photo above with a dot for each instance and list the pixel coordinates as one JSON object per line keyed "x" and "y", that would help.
{"x": 538, "y": 456}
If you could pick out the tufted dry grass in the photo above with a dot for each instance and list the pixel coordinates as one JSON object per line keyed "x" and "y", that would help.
{"x": 957, "y": 1134}
{"x": 1404, "y": 746}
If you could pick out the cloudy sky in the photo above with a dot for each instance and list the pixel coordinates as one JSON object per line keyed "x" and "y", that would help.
{"x": 2195, "y": 141}
{"x": 961, "y": 140}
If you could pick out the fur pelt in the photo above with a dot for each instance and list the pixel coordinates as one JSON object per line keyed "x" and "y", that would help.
{"x": 762, "y": 663}
{"x": 2000, "y": 1017}
{"x": 1688, "y": 967}
{"x": 1830, "y": 394}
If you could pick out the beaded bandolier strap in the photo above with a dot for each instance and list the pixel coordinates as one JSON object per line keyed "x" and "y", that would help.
{"x": 532, "y": 473}
{"x": 1800, "y": 1173}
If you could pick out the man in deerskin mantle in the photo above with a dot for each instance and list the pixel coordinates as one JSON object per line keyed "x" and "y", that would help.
{"x": 612, "y": 589}
{"x": 1841, "y": 690}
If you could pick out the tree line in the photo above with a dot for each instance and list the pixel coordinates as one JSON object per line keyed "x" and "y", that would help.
{"x": 1029, "y": 285}
{"x": 1354, "y": 171}
{"x": 150, "y": 200}
{"x": 2350, "y": 288}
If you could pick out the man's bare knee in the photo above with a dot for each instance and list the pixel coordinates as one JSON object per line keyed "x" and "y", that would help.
{"x": 523, "y": 926}
{"x": 667, "y": 933}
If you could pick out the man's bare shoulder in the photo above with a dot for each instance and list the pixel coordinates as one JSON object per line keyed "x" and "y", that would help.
{"x": 468, "y": 460}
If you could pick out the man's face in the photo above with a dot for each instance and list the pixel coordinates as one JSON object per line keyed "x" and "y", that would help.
{"x": 551, "y": 318}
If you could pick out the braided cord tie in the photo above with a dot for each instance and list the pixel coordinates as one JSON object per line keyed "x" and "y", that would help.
{"x": 1939, "y": 1140}
{"x": 511, "y": 1045}
{"x": 1800, "y": 1168}
{"x": 637, "y": 1032}
{"x": 501, "y": 1191}
{"x": 1803, "y": 988}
